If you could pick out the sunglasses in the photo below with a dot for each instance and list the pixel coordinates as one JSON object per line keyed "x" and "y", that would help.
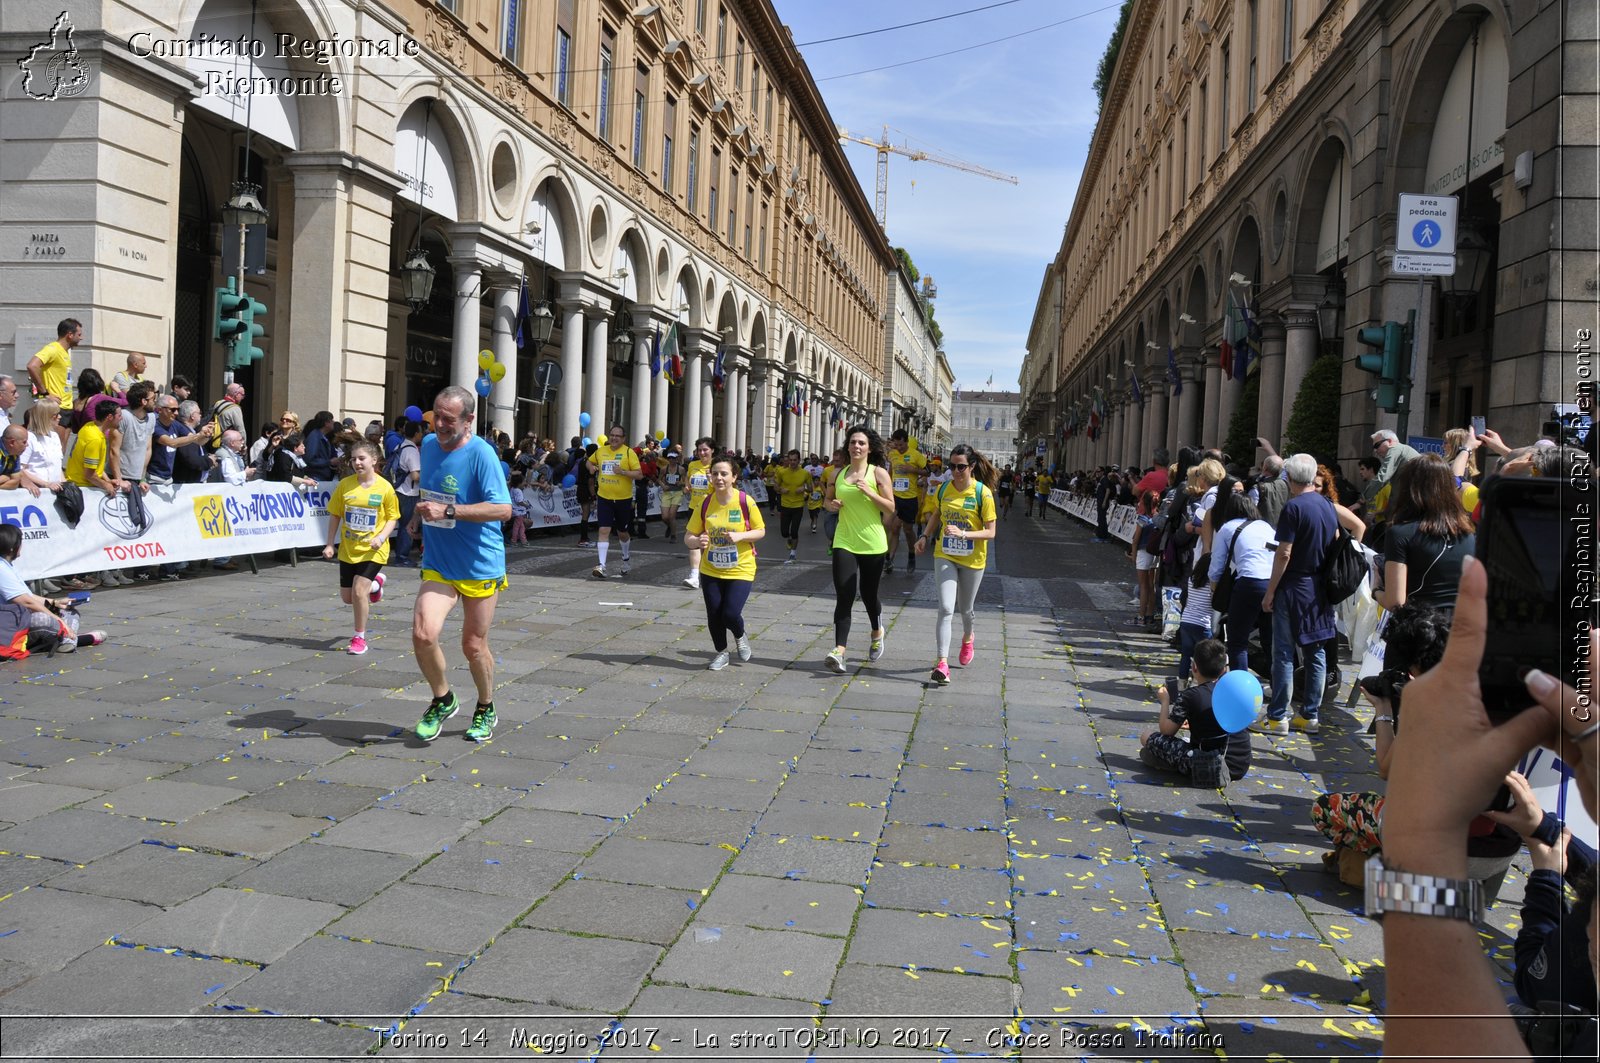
{"x": 962, "y": 465}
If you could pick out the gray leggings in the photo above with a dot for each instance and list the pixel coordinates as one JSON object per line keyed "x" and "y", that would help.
{"x": 958, "y": 592}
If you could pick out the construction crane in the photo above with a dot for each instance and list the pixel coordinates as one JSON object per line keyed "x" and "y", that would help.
{"x": 916, "y": 155}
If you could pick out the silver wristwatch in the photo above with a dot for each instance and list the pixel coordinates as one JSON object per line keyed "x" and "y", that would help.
{"x": 1389, "y": 890}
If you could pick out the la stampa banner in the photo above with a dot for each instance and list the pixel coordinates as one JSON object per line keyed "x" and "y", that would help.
{"x": 179, "y": 522}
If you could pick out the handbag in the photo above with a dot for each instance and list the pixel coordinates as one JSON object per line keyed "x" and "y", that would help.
{"x": 1343, "y": 568}
{"x": 1222, "y": 593}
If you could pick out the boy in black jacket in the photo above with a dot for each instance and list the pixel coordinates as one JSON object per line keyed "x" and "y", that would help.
{"x": 1211, "y": 756}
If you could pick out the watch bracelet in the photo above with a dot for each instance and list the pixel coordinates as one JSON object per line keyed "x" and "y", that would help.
{"x": 1415, "y": 894}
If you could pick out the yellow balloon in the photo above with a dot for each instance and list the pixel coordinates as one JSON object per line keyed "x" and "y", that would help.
{"x": 497, "y": 372}
{"x": 485, "y": 359}
{"x": 661, "y": 433}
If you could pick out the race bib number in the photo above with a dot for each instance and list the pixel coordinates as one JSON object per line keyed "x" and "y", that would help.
{"x": 902, "y": 483}
{"x": 361, "y": 520}
{"x": 672, "y": 479}
{"x": 723, "y": 554}
{"x": 444, "y": 499}
{"x": 955, "y": 547}
{"x": 608, "y": 468}
{"x": 699, "y": 481}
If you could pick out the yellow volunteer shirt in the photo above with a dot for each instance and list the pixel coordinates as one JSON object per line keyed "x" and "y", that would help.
{"x": 88, "y": 455}
{"x": 964, "y": 510}
{"x": 814, "y": 493}
{"x": 55, "y": 361}
{"x": 724, "y": 559}
{"x": 793, "y": 486}
{"x": 929, "y": 503}
{"x": 362, "y": 511}
{"x": 904, "y": 468}
{"x": 699, "y": 483}
{"x": 1041, "y": 484}
{"x": 612, "y": 463}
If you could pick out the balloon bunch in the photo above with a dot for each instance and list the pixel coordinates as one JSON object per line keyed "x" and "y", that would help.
{"x": 490, "y": 372}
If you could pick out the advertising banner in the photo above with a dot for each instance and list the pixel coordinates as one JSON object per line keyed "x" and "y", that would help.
{"x": 180, "y": 522}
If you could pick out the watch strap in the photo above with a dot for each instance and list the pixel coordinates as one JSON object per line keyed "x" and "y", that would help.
{"x": 1392, "y": 890}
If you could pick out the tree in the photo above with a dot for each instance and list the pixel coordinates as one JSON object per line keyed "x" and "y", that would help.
{"x": 1314, "y": 421}
{"x": 1108, "y": 61}
{"x": 1241, "y": 441}
{"x": 927, "y": 307}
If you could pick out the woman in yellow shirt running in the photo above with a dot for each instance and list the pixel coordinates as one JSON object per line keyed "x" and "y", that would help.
{"x": 960, "y": 531}
{"x": 699, "y": 474}
{"x": 722, "y": 530}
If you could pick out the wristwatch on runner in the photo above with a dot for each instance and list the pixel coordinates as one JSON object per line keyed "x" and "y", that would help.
{"x": 450, "y": 511}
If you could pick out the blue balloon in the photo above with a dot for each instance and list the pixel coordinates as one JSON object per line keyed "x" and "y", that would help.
{"x": 483, "y": 386}
{"x": 569, "y": 480}
{"x": 505, "y": 467}
{"x": 588, "y": 442}
{"x": 1236, "y": 700}
{"x": 414, "y": 414}
{"x": 583, "y": 420}
{"x": 665, "y": 442}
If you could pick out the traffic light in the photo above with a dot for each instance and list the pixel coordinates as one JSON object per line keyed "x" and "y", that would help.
{"x": 236, "y": 326}
{"x": 1391, "y": 343}
{"x": 228, "y": 321}
{"x": 244, "y": 351}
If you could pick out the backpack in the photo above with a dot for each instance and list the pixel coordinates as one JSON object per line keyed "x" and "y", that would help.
{"x": 976, "y": 483}
{"x": 744, "y": 508}
{"x": 391, "y": 464}
{"x": 1343, "y": 568}
{"x": 216, "y": 422}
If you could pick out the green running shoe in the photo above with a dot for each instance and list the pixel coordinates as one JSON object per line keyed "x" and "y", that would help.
{"x": 483, "y": 721}
{"x": 439, "y": 710}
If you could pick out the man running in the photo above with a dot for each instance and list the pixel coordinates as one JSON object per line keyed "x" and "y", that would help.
{"x": 464, "y": 500}
{"x": 616, "y": 466}
{"x": 906, "y": 463}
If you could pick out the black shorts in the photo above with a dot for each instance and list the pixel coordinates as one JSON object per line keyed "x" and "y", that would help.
{"x": 348, "y": 572}
{"x": 906, "y": 510}
{"x": 615, "y": 513}
{"x": 1004, "y": 491}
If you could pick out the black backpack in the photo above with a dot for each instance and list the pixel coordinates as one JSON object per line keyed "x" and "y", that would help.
{"x": 1344, "y": 566}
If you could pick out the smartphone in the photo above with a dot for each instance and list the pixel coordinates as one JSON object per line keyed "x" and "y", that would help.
{"x": 79, "y": 597}
{"x": 1503, "y": 800}
{"x": 1536, "y": 543}
{"x": 1479, "y": 425}
{"x": 1174, "y": 684}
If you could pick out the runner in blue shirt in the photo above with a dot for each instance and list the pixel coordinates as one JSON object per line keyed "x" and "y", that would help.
{"x": 464, "y": 500}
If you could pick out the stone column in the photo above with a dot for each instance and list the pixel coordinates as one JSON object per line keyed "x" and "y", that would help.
{"x": 660, "y": 396}
{"x": 1155, "y": 436}
{"x": 1133, "y": 448}
{"x": 468, "y": 322}
{"x": 503, "y": 396}
{"x": 691, "y": 400}
{"x": 791, "y": 423}
{"x": 1227, "y": 402}
{"x": 730, "y": 404}
{"x": 1269, "y": 411}
{"x": 314, "y": 288}
{"x": 1300, "y": 350}
{"x": 739, "y": 386}
{"x": 1210, "y": 434}
{"x": 1189, "y": 402}
{"x": 1174, "y": 408}
{"x": 597, "y": 373}
{"x": 639, "y": 407}
{"x": 569, "y": 393}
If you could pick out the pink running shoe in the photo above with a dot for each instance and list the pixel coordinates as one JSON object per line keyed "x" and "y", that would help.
{"x": 376, "y": 594}
{"x": 968, "y": 651}
{"x": 940, "y": 676}
{"x": 358, "y": 646}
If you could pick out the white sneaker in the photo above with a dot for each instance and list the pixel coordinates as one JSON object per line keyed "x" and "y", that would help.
{"x": 719, "y": 662}
{"x": 742, "y": 644}
{"x": 600, "y": 572}
{"x": 692, "y": 582}
{"x": 626, "y": 568}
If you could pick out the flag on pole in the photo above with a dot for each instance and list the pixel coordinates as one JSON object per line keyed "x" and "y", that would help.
{"x": 672, "y": 356}
{"x": 524, "y": 311}
{"x": 990, "y": 384}
{"x": 988, "y": 424}
{"x": 1138, "y": 392}
{"x": 655, "y": 354}
{"x": 718, "y": 377}
{"x": 1172, "y": 372}
{"x": 805, "y": 402}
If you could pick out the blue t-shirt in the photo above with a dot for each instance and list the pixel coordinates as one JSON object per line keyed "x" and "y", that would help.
{"x": 11, "y": 585}
{"x": 160, "y": 467}
{"x": 472, "y": 550}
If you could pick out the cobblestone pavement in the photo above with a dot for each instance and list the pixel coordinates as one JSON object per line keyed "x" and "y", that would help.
{"x": 221, "y": 838}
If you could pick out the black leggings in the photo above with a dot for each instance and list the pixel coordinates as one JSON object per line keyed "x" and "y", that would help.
{"x": 853, "y": 574}
{"x": 789, "y": 521}
{"x": 725, "y": 600}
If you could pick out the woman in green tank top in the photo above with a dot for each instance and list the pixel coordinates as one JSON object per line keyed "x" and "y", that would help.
{"x": 862, "y": 495}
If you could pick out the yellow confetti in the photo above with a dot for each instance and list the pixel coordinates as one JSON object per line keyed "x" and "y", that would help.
{"x": 786, "y": 974}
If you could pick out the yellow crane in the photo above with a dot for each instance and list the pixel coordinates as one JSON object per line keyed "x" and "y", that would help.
{"x": 884, "y": 147}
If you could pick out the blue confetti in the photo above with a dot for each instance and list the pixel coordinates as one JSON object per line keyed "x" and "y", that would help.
{"x": 7, "y": 933}
{"x": 690, "y": 902}
{"x": 491, "y": 861}
{"x": 214, "y": 988}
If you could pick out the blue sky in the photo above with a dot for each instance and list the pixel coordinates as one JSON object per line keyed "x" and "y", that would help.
{"x": 1024, "y": 107}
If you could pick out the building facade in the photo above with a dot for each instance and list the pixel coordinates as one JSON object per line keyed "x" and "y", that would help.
{"x": 911, "y": 360}
{"x": 987, "y": 420}
{"x": 641, "y": 171}
{"x": 1239, "y": 209}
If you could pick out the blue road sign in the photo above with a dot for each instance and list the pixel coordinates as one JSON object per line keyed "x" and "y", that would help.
{"x": 1426, "y": 233}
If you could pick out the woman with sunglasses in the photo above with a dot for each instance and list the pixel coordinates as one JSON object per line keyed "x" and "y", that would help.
{"x": 960, "y": 529}
{"x": 862, "y": 494}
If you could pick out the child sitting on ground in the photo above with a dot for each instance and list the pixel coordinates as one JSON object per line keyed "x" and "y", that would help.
{"x": 1211, "y": 756}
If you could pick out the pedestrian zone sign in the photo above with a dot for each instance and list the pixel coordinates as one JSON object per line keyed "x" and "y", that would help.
{"x": 1426, "y": 225}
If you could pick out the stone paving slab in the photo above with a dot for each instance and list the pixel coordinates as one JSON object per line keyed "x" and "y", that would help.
{"x": 677, "y": 865}
{"x": 518, "y": 871}
{"x": 925, "y": 940}
{"x": 239, "y": 831}
{"x": 611, "y": 909}
{"x": 695, "y": 1024}
{"x": 546, "y": 967}
{"x": 329, "y": 976}
{"x": 236, "y": 924}
{"x": 782, "y": 904}
{"x": 230, "y": 1035}
{"x": 428, "y": 917}
{"x": 74, "y": 834}
{"x": 804, "y": 859}
{"x": 329, "y": 873}
{"x": 153, "y": 874}
{"x": 385, "y": 831}
{"x": 775, "y": 963}
{"x": 111, "y": 980}
{"x": 939, "y": 889}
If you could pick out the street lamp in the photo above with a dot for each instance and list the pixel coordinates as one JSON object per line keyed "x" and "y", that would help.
{"x": 622, "y": 342}
{"x": 544, "y": 322}
{"x": 244, "y": 205}
{"x": 1472, "y": 263}
{"x": 416, "y": 279}
{"x": 1328, "y": 317}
